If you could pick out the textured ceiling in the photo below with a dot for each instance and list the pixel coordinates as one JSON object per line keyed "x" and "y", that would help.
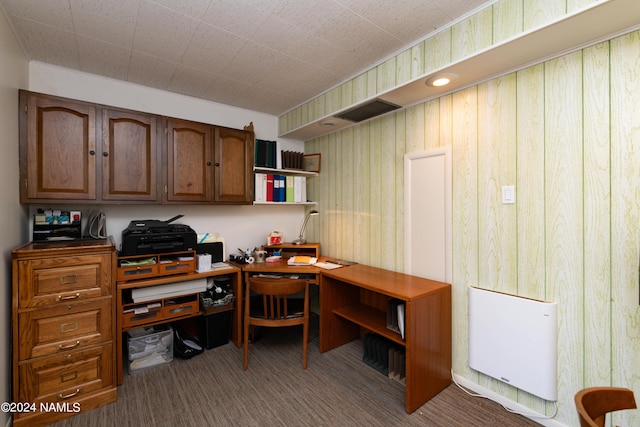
{"x": 262, "y": 55}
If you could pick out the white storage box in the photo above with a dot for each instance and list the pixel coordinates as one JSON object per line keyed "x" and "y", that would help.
{"x": 149, "y": 347}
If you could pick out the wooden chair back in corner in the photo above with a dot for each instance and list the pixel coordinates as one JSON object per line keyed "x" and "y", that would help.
{"x": 594, "y": 403}
{"x": 275, "y": 308}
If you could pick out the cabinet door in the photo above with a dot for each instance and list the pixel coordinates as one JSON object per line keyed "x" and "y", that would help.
{"x": 233, "y": 166}
{"x": 60, "y": 150}
{"x": 129, "y": 156}
{"x": 189, "y": 174}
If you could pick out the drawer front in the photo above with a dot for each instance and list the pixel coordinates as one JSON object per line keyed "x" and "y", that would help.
{"x": 65, "y": 328}
{"x": 64, "y": 279}
{"x": 68, "y": 377}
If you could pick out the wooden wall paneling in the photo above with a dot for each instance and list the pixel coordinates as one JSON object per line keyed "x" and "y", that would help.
{"x": 597, "y": 216}
{"x": 496, "y": 168}
{"x": 564, "y": 214}
{"x": 471, "y": 35}
{"x": 348, "y": 215}
{"x": 360, "y": 91}
{"x": 337, "y": 184}
{"x": 403, "y": 63}
{"x": 360, "y": 234}
{"x": 464, "y": 133}
{"x": 333, "y": 100}
{"x": 432, "y": 125}
{"x": 389, "y": 198}
{"x": 386, "y": 75}
{"x": 372, "y": 82}
{"x": 399, "y": 150}
{"x": 377, "y": 174}
{"x": 414, "y": 118}
{"x": 417, "y": 61}
{"x": 346, "y": 96}
{"x": 625, "y": 217}
{"x": 539, "y": 12}
{"x": 507, "y": 20}
{"x": 437, "y": 51}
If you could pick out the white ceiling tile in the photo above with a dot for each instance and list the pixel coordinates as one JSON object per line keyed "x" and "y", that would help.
{"x": 56, "y": 13}
{"x": 160, "y": 45}
{"x": 190, "y": 81}
{"x": 125, "y": 11}
{"x": 192, "y": 8}
{"x": 105, "y": 59}
{"x": 150, "y": 71}
{"x": 158, "y": 19}
{"x": 100, "y": 27}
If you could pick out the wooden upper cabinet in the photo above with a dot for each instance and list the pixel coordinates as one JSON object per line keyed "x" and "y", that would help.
{"x": 58, "y": 158}
{"x": 130, "y": 156}
{"x": 233, "y": 165}
{"x": 189, "y": 162}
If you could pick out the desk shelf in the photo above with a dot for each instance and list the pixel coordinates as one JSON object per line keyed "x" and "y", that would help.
{"x": 371, "y": 319}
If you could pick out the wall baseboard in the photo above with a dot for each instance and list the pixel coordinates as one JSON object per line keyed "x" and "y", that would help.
{"x": 507, "y": 402}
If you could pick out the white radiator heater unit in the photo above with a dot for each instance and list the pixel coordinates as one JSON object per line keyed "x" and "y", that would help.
{"x": 514, "y": 340}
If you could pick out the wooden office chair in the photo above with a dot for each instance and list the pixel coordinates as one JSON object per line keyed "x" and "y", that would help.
{"x": 271, "y": 306}
{"x": 594, "y": 403}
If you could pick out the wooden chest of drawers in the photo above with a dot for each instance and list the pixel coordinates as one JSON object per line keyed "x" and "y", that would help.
{"x": 63, "y": 329}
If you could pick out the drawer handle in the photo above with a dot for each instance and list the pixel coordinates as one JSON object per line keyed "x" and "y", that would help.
{"x": 68, "y": 297}
{"x": 68, "y": 279}
{"x": 69, "y": 376}
{"x": 68, "y": 347}
{"x": 70, "y": 395}
{"x": 68, "y": 327}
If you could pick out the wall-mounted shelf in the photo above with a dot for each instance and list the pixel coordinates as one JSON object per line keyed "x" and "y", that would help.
{"x": 286, "y": 203}
{"x": 294, "y": 172}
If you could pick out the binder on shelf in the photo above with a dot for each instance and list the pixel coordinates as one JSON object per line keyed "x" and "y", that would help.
{"x": 297, "y": 189}
{"x": 395, "y": 316}
{"x": 289, "y": 189}
{"x": 269, "y": 187}
{"x": 259, "y": 190}
{"x": 282, "y": 189}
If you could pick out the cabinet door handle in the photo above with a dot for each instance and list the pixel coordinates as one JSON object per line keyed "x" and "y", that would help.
{"x": 208, "y": 163}
{"x": 70, "y": 395}
{"x": 68, "y": 347}
{"x": 217, "y": 164}
{"x": 92, "y": 152}
{"x": 68, "y": 279}
{"x": 104, "y": 153}
{"x": 68, "y": 297}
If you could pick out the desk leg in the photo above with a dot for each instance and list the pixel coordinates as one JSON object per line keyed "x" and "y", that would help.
{"x": 334, "y": 330}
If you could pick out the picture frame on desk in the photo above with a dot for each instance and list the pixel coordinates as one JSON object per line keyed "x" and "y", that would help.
{"x": 311, "y": 162}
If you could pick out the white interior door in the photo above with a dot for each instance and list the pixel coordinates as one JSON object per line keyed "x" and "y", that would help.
{"x": 427, "y": 213}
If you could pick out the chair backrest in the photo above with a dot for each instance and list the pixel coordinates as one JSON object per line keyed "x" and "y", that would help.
{"x": 275, "y": 295}
{"x": 594, "y": 403}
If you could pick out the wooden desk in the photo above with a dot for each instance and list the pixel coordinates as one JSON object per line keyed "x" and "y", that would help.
{"x": 354, "y": 298}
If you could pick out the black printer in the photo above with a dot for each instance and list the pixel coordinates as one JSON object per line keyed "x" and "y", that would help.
{"x": 152, "y": 236}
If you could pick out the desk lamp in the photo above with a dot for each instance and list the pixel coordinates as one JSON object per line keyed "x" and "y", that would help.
{"x": 301, "y": 240}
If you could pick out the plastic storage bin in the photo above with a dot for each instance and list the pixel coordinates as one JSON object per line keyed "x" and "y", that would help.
{"x": 149, "y": 347}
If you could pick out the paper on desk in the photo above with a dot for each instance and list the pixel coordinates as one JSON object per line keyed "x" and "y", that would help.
{"x": 302, "y": 260}
{"x": 327, "y": 265}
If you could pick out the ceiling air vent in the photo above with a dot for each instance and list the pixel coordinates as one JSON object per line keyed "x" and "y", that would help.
{"x": 366, "y": 111}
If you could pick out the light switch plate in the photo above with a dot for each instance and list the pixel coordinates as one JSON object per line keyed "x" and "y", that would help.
{"x": 508, "y": 194}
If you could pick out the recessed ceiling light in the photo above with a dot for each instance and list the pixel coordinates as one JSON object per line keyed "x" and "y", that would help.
{"x": 327, "y": 123}
{"x": 440, "y": 80}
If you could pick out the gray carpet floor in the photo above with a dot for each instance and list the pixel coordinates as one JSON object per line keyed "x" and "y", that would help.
{"x": 337, "y": 388}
